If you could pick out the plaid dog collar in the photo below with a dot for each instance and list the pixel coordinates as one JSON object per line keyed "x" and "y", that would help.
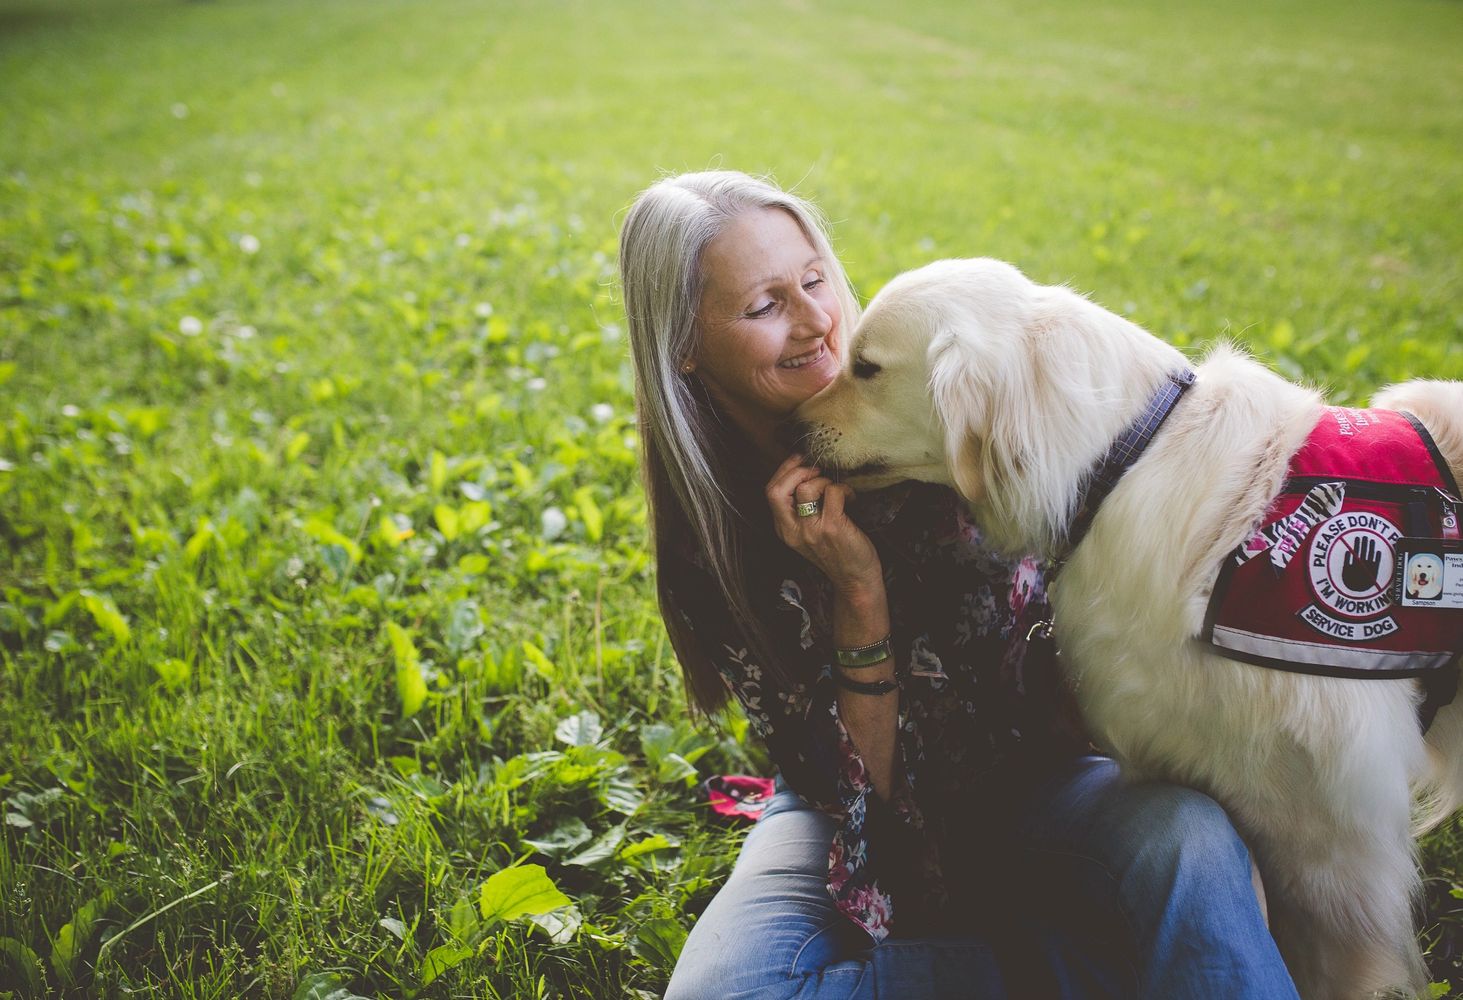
{"x": 1126, "y": 450}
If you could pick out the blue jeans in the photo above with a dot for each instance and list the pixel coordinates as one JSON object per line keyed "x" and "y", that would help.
{"x": 1128, "y": 890}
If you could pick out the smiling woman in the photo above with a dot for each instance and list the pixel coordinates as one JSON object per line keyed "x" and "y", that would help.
{"x": 771, "y": 321}
{"x": 938, "y": 832}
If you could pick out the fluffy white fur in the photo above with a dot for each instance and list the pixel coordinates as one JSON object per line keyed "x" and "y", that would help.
{"x": 1009, "y": 392}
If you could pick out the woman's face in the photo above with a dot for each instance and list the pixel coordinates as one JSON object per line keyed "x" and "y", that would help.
{"x": 770, "y": 322}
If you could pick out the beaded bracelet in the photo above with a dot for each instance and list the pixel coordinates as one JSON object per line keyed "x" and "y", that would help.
{"x": 865, "y": 656}
{"x": 864, "y": 687}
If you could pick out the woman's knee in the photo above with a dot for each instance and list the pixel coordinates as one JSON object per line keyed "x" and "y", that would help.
{"x": 1170, "y": 842}
{"x": 773, "y": 923}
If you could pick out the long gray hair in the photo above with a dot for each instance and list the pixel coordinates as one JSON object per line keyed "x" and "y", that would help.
{"x": 688, "y": 475}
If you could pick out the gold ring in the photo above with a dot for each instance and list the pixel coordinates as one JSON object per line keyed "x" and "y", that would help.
{"x": 809, "y": 508}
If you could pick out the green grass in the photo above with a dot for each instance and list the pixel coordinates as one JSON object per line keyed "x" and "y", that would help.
{"x": 224, "y": 474}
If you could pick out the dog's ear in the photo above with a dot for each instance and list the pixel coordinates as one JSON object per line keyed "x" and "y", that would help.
{"x": 962, "y": 407}
{"x": 963, "y": 456}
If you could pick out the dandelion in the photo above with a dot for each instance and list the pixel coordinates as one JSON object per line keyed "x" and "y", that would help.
{"x": 249, "y": 243}
{"x": 601, "y": 412}
{"x": 180, "y": 110}
{"x": 70, "y": 410}
{"x": 246, "y": 332}
{"x": 537, "y": 384}
{"x": 463, "y": 239}
{"x": 483, "y": 310}
{"x": 190, "y": 326}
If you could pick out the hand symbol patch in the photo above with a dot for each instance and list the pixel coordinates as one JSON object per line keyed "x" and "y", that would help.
{"x": 1360, "y": 570}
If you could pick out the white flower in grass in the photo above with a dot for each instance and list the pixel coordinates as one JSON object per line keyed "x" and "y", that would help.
{"x": 601, "y": 412}
{"x": 553, "y": 522}
{"x": 190, "y": 326}
{"x": 180, "y": 110}
{"x": 537, "y": 384}
{"x": 249, "y": 243}
{"x": 483, "y": 310}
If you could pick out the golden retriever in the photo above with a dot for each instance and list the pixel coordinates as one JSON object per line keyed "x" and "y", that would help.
{"x": 967, "y": 373}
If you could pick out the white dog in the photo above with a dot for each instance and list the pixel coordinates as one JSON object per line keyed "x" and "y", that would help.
{"x": 1424, "y": 577}
{"x": 969, "y": 374}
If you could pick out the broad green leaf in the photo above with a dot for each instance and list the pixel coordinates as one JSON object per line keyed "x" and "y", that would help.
{"x": 561, "y": 925}
{"x": 561, "y": 839}
{"x": 59, "y": 609}
{"x": 473, "y": 564}
{"x": 659, "y": 942}
{"x": 324, "y": 986}
{"x": 651, "y": 844}
{"x": 463, "y": 921}
{"x": 74, "y": 936}
{"x": 673, "y": 768}
{"x": 326, "y": 534}
{"x": 107, "y": 617}
{"x": 411, "y": 685}
{"x": 437, "y": 475}
{"x": 589, "y": 513}
{"x": 579, "y": 730}
{"x": 202, "y": 535}
{"x": 464, "y": 627}
{"x": 394, "y": 529}
{"x": 519, "y": 891}
{"x": 601, "y": 850}
{"x": 446, "y": 518}
{"x": 172, "y": 670}
{"x": 394, "y": 927}
{"x": 539, "y": 661}
{"x": 297, "y": 446}
{"x": 621, "y": 794}
{"x": 21, "y": 966}
{"x": 472, "y": 516}
{"x": 442, "y": 958}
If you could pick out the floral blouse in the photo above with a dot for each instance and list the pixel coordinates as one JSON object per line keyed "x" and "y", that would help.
{"x": 971, "y": 720}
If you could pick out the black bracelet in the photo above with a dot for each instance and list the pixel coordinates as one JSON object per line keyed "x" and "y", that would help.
{"x": 864, "y": 687}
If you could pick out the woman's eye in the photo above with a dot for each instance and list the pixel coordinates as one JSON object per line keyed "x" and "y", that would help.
{"x": 812, "y": 283}
{"x": 760, "y": 311}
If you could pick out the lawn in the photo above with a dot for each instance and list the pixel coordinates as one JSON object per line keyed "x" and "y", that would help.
{"x": 325, "y": 599}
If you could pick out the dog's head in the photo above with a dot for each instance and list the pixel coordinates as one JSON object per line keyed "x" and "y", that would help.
{"x": 1425, "y": 576}
{"x": 966, "y": 373}
{"x": 889, "y": 415}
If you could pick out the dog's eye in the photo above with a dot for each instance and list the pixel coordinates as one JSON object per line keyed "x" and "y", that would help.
{"x": 865, "y": 369}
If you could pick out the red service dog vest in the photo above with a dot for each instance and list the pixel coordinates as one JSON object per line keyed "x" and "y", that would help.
{"x": 1347, "y": 575}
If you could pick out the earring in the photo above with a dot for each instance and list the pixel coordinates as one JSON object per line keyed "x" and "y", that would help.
{"x": 687, "y": 368}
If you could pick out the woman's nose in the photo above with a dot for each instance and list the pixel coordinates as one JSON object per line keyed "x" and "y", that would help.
{"x": 813, "y": 319}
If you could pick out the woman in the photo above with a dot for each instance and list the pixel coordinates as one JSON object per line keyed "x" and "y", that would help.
{"x": 938, "y": 833}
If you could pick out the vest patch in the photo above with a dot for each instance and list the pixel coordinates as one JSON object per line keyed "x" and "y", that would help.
{"x": 1314, "y": 588}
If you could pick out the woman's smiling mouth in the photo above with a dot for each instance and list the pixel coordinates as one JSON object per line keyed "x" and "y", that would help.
{"x": 804, "y": 359}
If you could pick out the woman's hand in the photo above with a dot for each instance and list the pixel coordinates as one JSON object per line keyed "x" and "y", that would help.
{"x": 828, "y": 539}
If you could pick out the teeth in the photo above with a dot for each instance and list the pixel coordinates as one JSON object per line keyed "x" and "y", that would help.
{"x": 805, "y": 359}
